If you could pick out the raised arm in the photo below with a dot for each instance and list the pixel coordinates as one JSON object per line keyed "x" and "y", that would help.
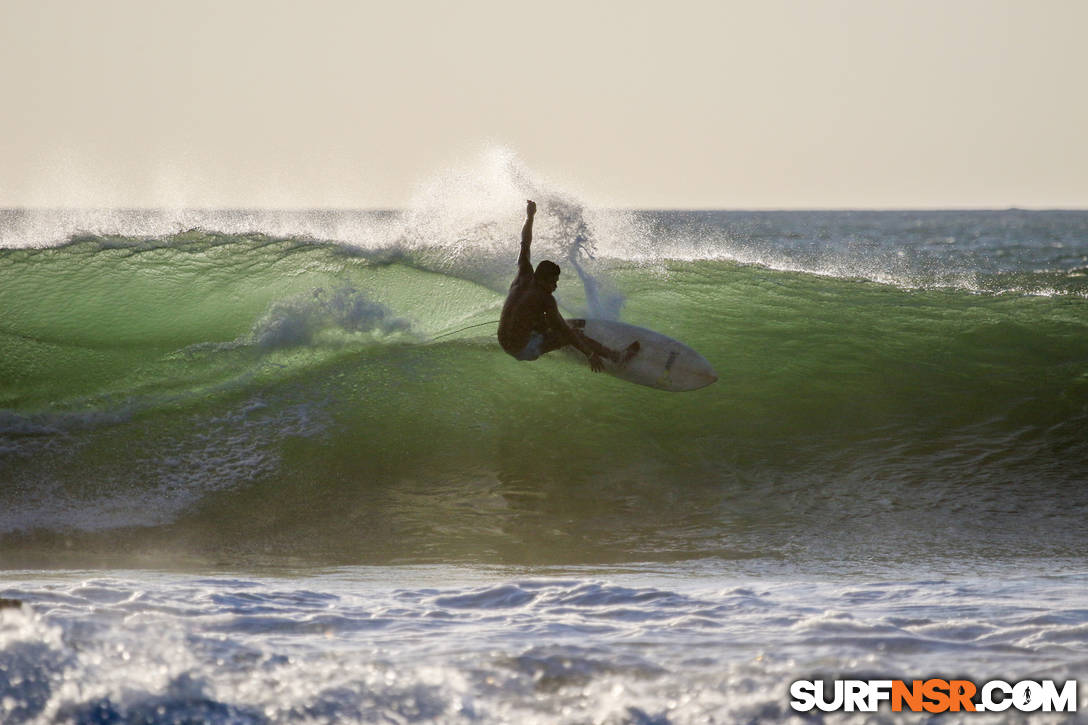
{"x": 524, "y": 265}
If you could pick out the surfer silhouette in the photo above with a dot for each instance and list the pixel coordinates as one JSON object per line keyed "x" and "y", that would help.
{"x": 531, "y": 325}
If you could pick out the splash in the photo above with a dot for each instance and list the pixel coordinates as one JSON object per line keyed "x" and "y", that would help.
{"x": 296, "y": 321}
{"x": 462, "y": 220}
{"x": 466, "y": 221}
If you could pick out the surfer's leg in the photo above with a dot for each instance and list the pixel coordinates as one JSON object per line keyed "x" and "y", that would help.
{"x": 629, "y": 352}
{"x": 616, "y": 356}
{"x": 553, "y": 341}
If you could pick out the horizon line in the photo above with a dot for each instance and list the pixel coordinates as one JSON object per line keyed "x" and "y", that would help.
{"x": 395, "y": 210}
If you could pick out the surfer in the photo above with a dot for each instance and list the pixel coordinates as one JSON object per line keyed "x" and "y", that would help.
{"x": 531, "y": 325}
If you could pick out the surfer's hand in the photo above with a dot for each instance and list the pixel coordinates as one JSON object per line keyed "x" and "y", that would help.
{"x": 530, "y": 208}
{"x": 595, "y": 363}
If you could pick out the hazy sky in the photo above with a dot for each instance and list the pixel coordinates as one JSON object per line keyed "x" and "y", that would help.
{"x": 715, "y": 104}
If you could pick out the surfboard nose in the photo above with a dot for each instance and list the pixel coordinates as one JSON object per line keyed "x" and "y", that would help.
{"x": 707, "y": 378}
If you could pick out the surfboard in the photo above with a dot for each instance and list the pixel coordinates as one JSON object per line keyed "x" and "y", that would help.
{"x": 662, "y": 362}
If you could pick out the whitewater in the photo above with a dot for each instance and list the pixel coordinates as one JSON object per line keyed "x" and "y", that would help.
{"x": 272, "y": 465}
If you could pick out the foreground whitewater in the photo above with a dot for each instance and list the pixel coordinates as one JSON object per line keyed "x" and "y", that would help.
{"x": 686, "y": 643}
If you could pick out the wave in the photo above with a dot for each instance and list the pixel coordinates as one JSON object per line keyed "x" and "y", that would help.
{"x": 220, "y": 391}
{"x": 115, "y": 320}
{"x": 331, "y": 387}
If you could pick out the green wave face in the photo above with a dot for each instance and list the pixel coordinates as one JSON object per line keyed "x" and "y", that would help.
{"x": 259, "y": 396}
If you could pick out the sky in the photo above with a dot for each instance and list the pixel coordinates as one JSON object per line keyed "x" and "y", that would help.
{"x": 715, "y": 104}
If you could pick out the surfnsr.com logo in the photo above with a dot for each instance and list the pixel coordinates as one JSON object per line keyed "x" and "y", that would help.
{"x": 934, "y": 695}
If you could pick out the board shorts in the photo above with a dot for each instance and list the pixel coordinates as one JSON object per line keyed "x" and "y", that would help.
{"x": 533, "y": 349}
{"x": 537, "y": 346}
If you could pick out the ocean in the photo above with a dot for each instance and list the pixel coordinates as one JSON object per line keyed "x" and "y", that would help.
{"x": 272, "y": 466}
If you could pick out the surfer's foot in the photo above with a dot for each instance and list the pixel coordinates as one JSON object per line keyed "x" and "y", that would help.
{"x": 622, "y": 357}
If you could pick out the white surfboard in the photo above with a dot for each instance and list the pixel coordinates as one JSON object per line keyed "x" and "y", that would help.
{"x": 662, "y": 362}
